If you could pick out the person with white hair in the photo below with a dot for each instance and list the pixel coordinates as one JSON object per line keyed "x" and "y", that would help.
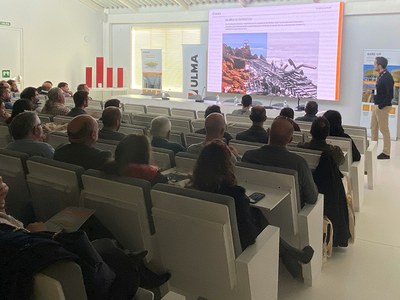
{"x": 160, "y": 131}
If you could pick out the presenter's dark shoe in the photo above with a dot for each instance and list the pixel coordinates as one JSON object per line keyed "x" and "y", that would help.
{"x": 383, "y": 156}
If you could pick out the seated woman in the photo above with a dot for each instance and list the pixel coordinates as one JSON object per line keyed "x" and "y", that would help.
{"x": 319, "y": 132}
{"x": 336, "y": 129}
{"x": 20, "y": 106}
{"x": 132, "y": 159}
{"x": 214, "y": 173}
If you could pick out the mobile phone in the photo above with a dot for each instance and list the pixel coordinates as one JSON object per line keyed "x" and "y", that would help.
{"x": 255, "y": 197}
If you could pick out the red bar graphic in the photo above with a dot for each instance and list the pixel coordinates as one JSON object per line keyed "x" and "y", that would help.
{"x": 109, "y": 77}
{"x": 120, "y": 77}
{"x": 89, "y": 76}
{"x": 99, "y": 72}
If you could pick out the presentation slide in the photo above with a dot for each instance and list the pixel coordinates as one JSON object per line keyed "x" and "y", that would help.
{"x": 287, "y": 51}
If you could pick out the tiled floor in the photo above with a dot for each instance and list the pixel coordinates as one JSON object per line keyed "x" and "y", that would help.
{"x": 370, "y": 268}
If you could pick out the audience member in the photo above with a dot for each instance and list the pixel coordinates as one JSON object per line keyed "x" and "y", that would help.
{"x": 215, "y": 128}
{"x": 246, "y": 106}
{"x": 112, "y": 102}
{"x": 81, "y": 100}
{"x": 13, "y": 86}
{"x": 311, "y": 110}
{"x": 214, "y": 109}
{"x": 335, "y": 121}
{"x": 319, "y": 132}
{"x": 4, "y": 114}
{"x": 83, "y": 88}
{"x": 55, "y": 105}
{"x": 5, "y": 96}
{"x": 82, "y": 134}
{"x": 32, "y": 94}
{"x": 214, "y": 173}
{"x": 65, "y": 88}
{"x": 160, "y": 131}
{"x": 27, "y": 132}
{"x": 276, "y": 154}
{"x": 256, "y": 133}
{"x": 20, "y": 106}
{"x": 111, "y": 119}
{"x": 132, "y": 159}
{"x": 288, "y": 113}
{"x": 4, "y": 83}
{"x": 45, "y": 87}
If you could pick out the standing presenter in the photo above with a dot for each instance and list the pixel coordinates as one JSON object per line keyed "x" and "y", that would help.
{"x": 383, "y": 96}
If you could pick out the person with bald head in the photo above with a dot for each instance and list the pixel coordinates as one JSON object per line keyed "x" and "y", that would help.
{"x": 276, "y": 154}
{"x": 256, "y": 133}
{"x": 82, "y": 134}
{"x": 55, "y": 105}
{"x": 215, "y": 128}
{"x": 111, "y": 119}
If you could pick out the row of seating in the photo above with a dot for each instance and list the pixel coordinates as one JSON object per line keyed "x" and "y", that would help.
{"x": 124, "y": 206}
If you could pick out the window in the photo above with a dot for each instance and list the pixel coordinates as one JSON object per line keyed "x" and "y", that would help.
{"x": 170, "y": 40}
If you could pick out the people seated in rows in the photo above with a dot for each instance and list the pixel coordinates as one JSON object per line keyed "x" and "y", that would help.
{"x": 132, "y": 159}
{"x": 20, "y": 106}
{"x": 288, "y": 113}
{"x": 82, "y": 134}
{"x": 5, "y": 96}
{"x": 65, "y": 88}
{"x": 83, "y": 88}
{"x": 45, "y": 87}
{"x": 27, "y": 132}
{"x": 246, "y": 106}
{"x": 214, "y": 172}
{"x": 319, "y": 132}
{"x": 215, "y": 128}
{"x": 111, "y": 118}
{"x": 55, "y": 105}
{"x": 4, "y": 114}
{"x": 160, "y": 131}
{"x": 335, "y": 121}
{"x": 13, "y": 86}
{"x": 32, "y": 94}
{"x": 276, "y": 154}
{"x": 81, "y": 100}
{"x": 311, "y": 110}
{"x": 214, "y": 109}
{"x": 256, "y": 133}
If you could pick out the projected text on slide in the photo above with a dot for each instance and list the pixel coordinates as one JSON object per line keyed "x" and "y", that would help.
{"x": 288, "y": 51}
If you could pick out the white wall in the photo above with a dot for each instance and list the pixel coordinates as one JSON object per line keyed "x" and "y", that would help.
{"x": 60, "y": 38}
{"x": 366, "y": 25}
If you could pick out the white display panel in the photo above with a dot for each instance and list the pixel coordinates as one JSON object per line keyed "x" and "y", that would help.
{"x": 289, "y": 51}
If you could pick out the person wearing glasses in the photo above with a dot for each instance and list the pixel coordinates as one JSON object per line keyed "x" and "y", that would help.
{"x": 27, "y": 132}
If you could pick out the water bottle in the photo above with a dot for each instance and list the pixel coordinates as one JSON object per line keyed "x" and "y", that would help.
{"x": 285, "y": 104}
{"x": 217, "y": 98}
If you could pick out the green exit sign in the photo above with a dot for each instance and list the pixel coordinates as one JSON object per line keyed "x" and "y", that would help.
{"x": 3, "y": 23}
{"x": 5, "y": 73}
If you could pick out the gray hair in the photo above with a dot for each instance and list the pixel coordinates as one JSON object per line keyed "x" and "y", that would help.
{"x": 160, "y": 126}
{"x": 53, "y": 94}
{"x": 22, "y": 124}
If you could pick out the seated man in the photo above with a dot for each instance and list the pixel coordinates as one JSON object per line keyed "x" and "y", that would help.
{"x": 288, "y": 113}
{"x": 111, "y": 118}
{"x": 82, "y": 133}
{"x": 215, "y": 128}
{"x": 319, "y": 132}
{"x": 5, "y": 96}
{"x": 27, "y": 132}
{"x": 81, "y": 100}
{"x": 65, "y": 88}
{"x": 112, "y": 102}
{"x": 256, "y": 133}
{"x": 83, "y": 87}
{"x": 160, "y": 131}
{"x": 311, "y": 112}
{"x": 214, "y": 109}
{"x": 45, "y": 87}
{"x": 55, "y": 105}
{"x": 32, "y": 94}
{"x": 13, "y": 86}
{"x": 246, "y": 106}
{"x": 277, "y": 155}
